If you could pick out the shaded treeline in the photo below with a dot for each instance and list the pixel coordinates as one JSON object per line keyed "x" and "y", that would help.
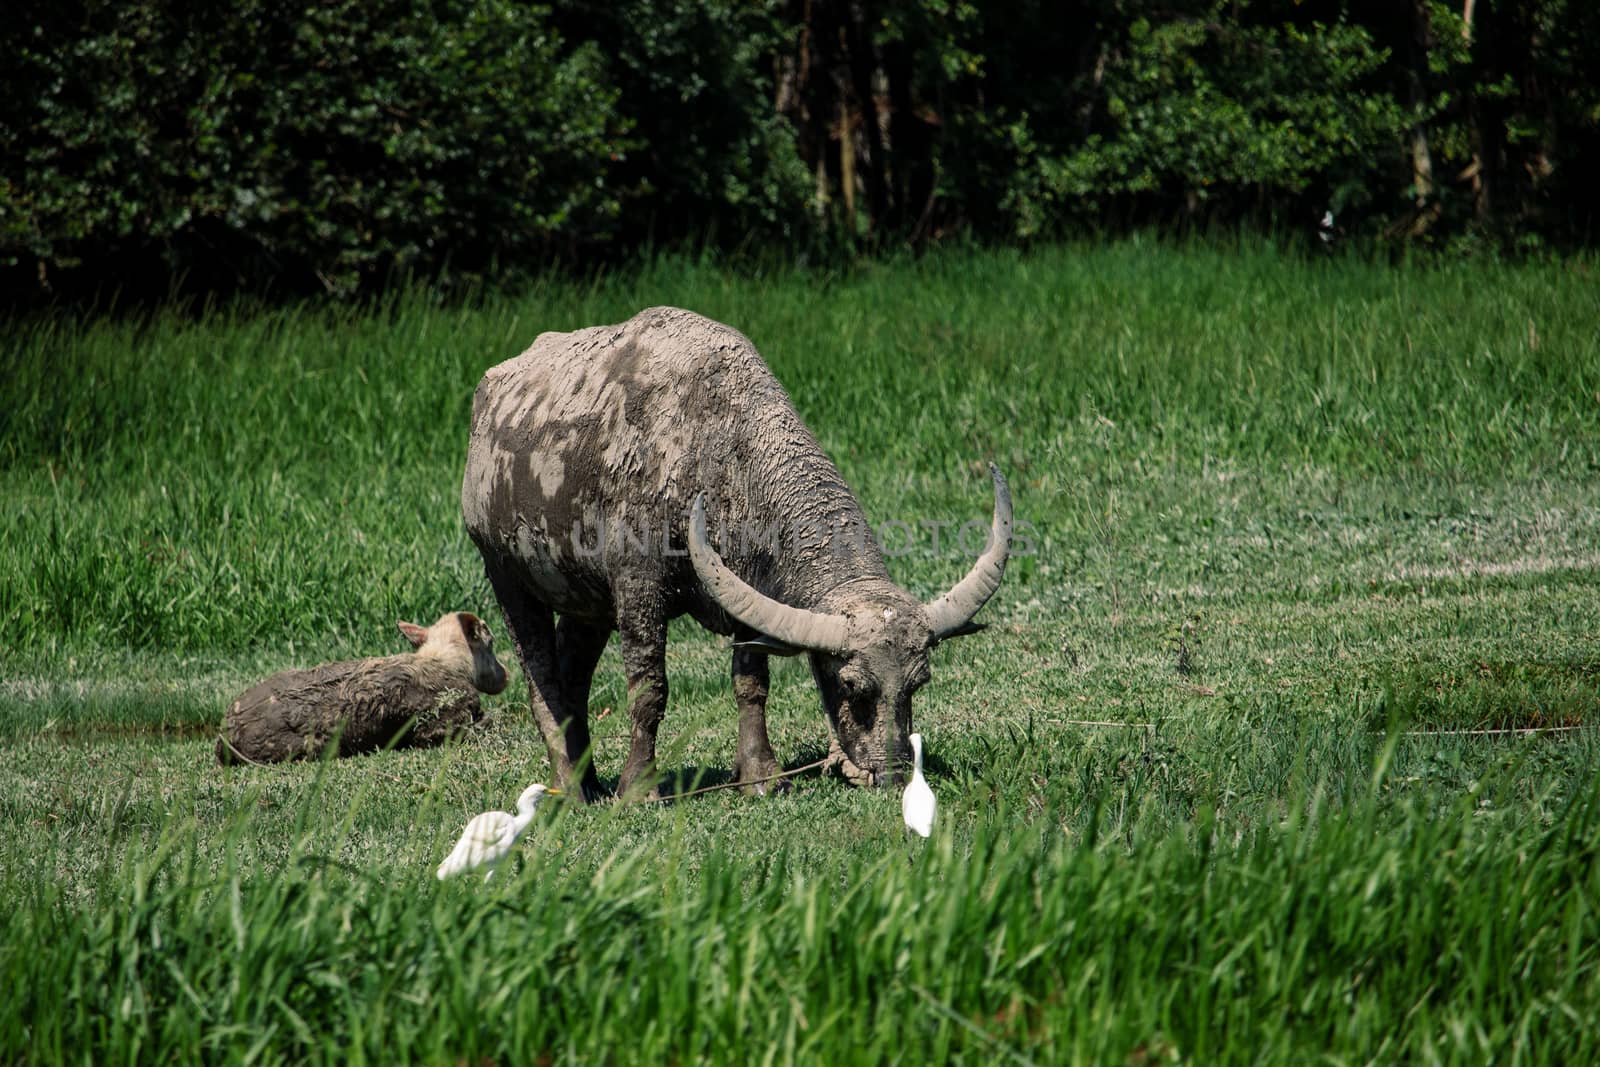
{"x": 329, "y": 145}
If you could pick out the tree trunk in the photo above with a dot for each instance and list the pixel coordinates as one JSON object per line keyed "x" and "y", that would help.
{"x": 847, "y": 163}
{"x": 863, "y": 70}
{"x": 910, "y": 150}
{"x": 1425, "y": 207}
{"x": 1494, "y": 54}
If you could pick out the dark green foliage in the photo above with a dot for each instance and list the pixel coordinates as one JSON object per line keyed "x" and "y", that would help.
{"x": 1097, "y": 114}
{"x": 1197, "y": 116}
{"x": 716, "y": 159}
{"x": 1515, "y": 120}
{"x": 328, "y": 146}
{"x": 335, "y": 141}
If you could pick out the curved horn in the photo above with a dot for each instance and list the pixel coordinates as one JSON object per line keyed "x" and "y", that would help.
{"x": 950, "y": 614}
{"x": 796, "y": 626}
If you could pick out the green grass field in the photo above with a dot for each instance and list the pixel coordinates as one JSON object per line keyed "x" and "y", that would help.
{"x": 1303, "y": 533}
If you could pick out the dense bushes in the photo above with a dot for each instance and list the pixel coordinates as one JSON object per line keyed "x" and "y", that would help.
{"x": 696, "y": 82}
{"x": 1410, "y": 119}
{"x": 334, "y": 143}
{"x": 1195, "y": 119}
{"x": 340, "y": 140}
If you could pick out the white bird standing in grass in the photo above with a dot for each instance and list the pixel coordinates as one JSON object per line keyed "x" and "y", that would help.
{"x": 489, "y": 837}
{"x": 916, "y": 803}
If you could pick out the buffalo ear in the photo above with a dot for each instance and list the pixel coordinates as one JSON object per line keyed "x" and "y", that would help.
{"x": 964, "y": 630}
{"x": 770, "y": 645}
{"x": 414, "y": 633}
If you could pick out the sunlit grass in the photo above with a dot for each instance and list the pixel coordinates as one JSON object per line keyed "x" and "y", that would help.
{"x": 1208, "y": 786}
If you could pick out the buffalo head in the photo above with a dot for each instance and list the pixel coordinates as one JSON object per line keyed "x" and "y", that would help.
{"x": 869, "y": 645}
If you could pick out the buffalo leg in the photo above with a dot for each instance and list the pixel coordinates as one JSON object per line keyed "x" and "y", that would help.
{"x": 578, "y": 649}
{"x": 643, "y": 629}
{"x": 751, "y": 678}
{"x": 566, "y": 733}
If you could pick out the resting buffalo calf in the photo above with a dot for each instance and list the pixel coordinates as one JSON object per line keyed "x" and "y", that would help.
{"x": 368, "y": 703}
{"x": 602, "y": 467}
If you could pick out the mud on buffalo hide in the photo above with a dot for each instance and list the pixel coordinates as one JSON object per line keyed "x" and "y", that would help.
{"x": 363, "y": 704}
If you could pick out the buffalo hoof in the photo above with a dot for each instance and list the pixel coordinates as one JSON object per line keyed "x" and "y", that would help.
{"x": 774, "y": 787}
{"x": 639, "y": 784}
{"x": 585, "y": 790}
{"x": 759, "y": 777}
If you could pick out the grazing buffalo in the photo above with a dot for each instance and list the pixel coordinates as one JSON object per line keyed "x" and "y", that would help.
{"x": 602, "y": 468}
{"x": 420, "y": 698}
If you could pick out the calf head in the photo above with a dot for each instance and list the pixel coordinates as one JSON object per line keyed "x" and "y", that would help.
{"x": 869, "y": 647}
{"x": 460, "y": 636}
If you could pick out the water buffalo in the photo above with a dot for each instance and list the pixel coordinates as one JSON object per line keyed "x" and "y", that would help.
{"x": 603, "y": 465}
{"x": 415, "y": 699}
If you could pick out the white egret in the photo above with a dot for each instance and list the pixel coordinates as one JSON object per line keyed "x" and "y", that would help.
{"x": 489, "y": 837}
{"x": 916, "y": 803}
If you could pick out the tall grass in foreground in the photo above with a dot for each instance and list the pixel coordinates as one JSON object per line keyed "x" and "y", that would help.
{"x": 1379, "y": 931}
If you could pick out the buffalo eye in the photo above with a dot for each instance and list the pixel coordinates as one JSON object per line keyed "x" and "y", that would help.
{"x": 853, "y": 683}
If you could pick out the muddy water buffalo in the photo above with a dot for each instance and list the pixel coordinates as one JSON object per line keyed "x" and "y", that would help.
{"x": 602, "y": 467}
{"x": 416, "y": 699}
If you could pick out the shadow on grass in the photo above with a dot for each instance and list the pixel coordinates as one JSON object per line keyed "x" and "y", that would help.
{"x": 1490, "y": 695}
{"x": 685, "y": 782}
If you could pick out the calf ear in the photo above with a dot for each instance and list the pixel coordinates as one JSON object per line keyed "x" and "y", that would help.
{"x": 770, "y": 645}
{"x": 414, "y": 633}
{"x": 474, "y": 629}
